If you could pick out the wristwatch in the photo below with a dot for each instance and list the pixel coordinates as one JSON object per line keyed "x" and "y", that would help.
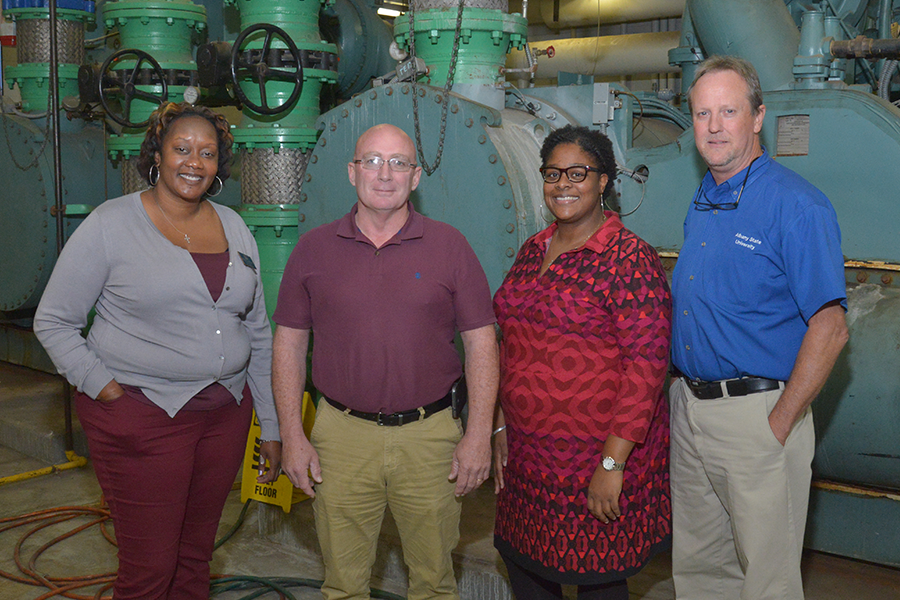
{"x": 610, "y": 464}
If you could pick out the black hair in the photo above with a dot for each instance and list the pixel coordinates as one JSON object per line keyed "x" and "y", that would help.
{"x": 590, "y": 141}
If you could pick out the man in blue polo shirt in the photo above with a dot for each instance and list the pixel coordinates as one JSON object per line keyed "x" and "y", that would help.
{"x": 759, "y": 302}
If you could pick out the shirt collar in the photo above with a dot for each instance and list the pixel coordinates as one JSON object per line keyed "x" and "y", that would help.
{"x": 597, "y": 242}
{"x": 734, "y": 182}
{"x": 412, "y": 229}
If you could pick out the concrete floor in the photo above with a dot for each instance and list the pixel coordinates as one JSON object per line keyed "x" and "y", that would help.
{"x": 270, "y": 545}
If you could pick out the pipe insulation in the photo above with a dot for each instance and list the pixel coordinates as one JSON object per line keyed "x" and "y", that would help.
{"x": 604, "y": 56}
{"x": 567, "y": 14}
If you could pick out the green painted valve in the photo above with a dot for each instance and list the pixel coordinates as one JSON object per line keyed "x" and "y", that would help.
{"x": 486, "y": 36}
{"x": 294, "y": 128}
{"x": 32, "y": 74}
{"x": 167, "y": 31}
{"x": 275, "y": 148}
{"x": 33, "y": 81}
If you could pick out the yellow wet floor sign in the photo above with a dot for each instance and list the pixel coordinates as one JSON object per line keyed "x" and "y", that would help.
{"x": 280, "y": 492}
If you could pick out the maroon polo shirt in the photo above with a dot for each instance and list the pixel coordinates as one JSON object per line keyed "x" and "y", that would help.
{"x": 384, "y": 319}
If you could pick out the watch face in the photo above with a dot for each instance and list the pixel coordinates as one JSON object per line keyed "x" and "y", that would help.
{"x": 610, "y": 464}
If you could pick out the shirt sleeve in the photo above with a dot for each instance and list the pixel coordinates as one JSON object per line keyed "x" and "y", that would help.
{"x": 813, "y": 261}
{"x": 76, "y": 283}
{"x": 642, "y": 309}
{"x": 259, "y": 372}
{"x": 472, "y": 297}
{"x": 294, "y": 306}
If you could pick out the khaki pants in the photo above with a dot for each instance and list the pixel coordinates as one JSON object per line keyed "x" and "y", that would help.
{"x": 739, "y": 498}
{"x": 366, "y": 467}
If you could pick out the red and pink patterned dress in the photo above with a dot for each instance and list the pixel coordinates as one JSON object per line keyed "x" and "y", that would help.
{"x": 584, "y": 354}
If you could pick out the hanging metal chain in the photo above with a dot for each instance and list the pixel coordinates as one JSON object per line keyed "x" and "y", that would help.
{"x": 40, "y": 152}
{"x": 454, "y": 53}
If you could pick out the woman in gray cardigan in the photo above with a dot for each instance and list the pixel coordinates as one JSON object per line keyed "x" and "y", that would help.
{"x": 179, "y": 351}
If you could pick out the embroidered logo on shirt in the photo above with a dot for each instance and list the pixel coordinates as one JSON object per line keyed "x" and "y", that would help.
{"x": 747, "y": 241}
{"x": 247, "y": 261}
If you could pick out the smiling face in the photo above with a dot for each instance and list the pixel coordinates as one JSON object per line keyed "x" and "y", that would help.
{"x": 574, "y": 203}
{"x": 189, "y": 158}
{"x": 384, "y": 190}
{"x": 726, "y": 131}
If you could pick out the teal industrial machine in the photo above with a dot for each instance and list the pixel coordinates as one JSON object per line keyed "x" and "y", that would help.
{"x": 36, "y": 155}
{"x": 301, "y": 80}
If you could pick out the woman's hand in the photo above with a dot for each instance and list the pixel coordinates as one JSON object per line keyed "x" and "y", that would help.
{"x": 501, "y": 455}
{"x": 269, "y": 462}
{"x": 603, "y": 494}
{"x": 111, "y": 391}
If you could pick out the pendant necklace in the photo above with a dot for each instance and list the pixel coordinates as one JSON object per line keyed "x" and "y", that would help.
{"x": 159, "y": 206}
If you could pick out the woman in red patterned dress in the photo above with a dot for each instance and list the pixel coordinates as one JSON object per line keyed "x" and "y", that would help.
{"x": 581, "y": 455}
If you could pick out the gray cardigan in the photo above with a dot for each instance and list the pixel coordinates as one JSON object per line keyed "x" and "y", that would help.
{"x": 157, "y": 326}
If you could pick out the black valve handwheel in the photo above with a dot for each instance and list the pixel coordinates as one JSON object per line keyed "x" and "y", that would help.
{"x": 111, "y": 85}
{"x": 253, "y": 65}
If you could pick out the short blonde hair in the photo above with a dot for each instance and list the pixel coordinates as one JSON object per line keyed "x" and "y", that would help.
{"x": 742, "y": 67}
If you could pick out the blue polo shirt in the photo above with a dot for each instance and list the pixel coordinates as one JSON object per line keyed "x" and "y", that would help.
{"x": 748, "y": 280}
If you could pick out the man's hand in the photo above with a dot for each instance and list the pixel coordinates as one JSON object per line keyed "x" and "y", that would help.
{"x": 472, "y": 457}
{"x": 299, "y": 460}
{"x": 822, "y": 343}
{"x": 270, "y": 462}
{"x": 603, "y": 494}
{"x": 471, "y": 463}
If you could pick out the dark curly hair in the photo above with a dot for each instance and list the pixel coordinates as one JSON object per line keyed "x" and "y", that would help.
{"x": 161, "y": 122}
{"x": 593, "y": 142}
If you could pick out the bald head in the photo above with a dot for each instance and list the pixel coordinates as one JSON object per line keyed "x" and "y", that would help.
{"x": 386, "y": 134}
{"x": 383, "y": 187}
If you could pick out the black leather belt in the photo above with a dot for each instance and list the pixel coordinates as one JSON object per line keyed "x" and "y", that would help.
{"x": 711, "y": 390}
{"x": 398, "y": 418}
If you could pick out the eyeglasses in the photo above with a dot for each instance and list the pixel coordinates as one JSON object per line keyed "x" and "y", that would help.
{"x": 575, "y": 174}
{"x": 373, "y": 163}
{"x": 707, "y": 205}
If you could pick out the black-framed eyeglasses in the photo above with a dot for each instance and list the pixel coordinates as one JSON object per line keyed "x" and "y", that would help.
{"x": 373, "y": 163}
{"x": 706, "y": 204}
{"x": 575, "y": 174}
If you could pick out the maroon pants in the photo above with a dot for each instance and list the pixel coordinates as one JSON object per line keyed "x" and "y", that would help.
{"x": 165, "y": 480}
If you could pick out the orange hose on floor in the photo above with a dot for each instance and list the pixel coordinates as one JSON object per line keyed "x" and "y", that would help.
{"x": 62, "y": 586}
{"x": 57, "y": 586}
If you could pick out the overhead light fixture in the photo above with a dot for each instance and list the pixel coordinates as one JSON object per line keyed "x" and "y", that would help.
{"x": 388, "y": 12}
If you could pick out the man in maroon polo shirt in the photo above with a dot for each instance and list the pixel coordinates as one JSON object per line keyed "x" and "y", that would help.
{"x": 384, "y": 290}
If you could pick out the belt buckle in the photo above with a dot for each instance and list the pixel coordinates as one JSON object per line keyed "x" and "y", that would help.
{"x": 378, "y": 419}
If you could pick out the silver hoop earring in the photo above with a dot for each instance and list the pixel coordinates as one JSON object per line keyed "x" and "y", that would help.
{"x": 150, "y": 178}
{"x": 210, "y": 194}
{"x": 546, "y": 220}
